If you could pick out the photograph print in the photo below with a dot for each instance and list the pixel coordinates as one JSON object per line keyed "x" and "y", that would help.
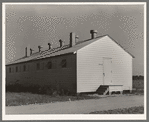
{"x": 74, "y": 60}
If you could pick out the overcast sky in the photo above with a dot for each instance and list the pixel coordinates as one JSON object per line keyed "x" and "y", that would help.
{"x": 39, "y": 24}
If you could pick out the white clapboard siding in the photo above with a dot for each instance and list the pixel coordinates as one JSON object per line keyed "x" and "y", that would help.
{"x": 90, "y": 65}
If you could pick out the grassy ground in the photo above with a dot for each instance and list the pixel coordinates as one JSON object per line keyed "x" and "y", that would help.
{"x": 24, "y": 98}
{"x": 132, "y": 110}
{"x": 17, "y": 99}
{"x": 138, "y": 92}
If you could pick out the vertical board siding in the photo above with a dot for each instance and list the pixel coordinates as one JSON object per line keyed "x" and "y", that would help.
{"x": 65, "y": 77}
{"x": 90, "y": 65}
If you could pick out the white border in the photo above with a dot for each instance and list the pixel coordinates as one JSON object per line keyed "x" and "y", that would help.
{"x": 71, "y": 116}
{"x": 3, "y": 61}
{"x": 78, "y": 3}
{"x": 145, "y": 60}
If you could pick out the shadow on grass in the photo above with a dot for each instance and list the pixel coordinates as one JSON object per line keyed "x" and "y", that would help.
{"x": 132, "y": 110}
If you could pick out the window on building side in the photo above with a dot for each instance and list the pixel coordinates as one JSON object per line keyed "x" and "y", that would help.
{"x": 42, "y": 65}
{"x": 38, "y": 66}
{"x": 9, "y": 69}
{"x": 24, "y": 68}
{"x": 16, "y": 69}
{"x": 49, "y": 65}
{"x": 63, "y": 63}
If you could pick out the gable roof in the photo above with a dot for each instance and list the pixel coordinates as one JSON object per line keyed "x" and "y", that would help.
{"x": 60, "y": 51}
{"x": 121, "y": 47}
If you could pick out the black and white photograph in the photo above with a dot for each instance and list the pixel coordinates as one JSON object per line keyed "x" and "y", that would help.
{"x": 74, "y": 61}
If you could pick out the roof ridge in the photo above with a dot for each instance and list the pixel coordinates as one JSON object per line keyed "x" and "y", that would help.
{"x": 89, "y": 39}
{"x": 47, "y": 53}
{"x": 62, "y": 48}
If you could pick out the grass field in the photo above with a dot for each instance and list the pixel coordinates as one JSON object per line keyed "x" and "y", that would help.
{"x": 25, "y": 98}
{"x": 132, "y": 110}
{"x": 17, "y": 99}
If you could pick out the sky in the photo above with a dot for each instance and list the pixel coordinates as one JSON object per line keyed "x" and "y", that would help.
{"x": 40, "y": 24}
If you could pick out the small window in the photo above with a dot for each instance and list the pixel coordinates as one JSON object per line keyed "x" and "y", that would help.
{"x": 49, "y": 65}
{"x": 12, "y": 69}
{"x": 20, "y": 68}
{"x": 9, "y": 69}
{"x": 16, "y": 69}
{"x": 24, "y": 68}
{"x": 42, "y": 66}
{"x": 63, "y": 63}
{"x": 38, "y": 66}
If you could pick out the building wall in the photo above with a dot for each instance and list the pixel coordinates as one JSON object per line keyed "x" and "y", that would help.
{"x": 90, "y": 65}
{"x": 64, "y": 77}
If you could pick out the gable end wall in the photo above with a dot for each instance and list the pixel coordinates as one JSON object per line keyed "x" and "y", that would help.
{"x": 90, "y": 65}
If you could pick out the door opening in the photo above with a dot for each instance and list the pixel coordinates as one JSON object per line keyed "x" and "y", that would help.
{"x": 107, "y": 71}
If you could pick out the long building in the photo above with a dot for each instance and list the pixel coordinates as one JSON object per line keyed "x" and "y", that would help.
{"x": 97, "y": 64}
